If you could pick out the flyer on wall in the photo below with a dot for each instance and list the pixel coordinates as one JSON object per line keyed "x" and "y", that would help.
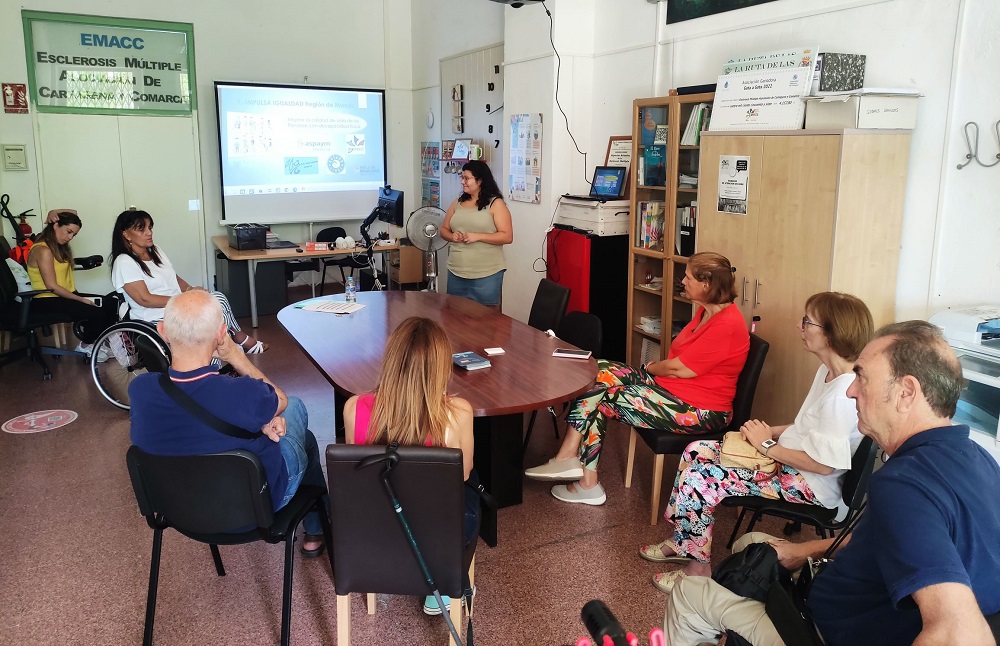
{"x": 525, "y": 158}
{"x": 734, "y": 181}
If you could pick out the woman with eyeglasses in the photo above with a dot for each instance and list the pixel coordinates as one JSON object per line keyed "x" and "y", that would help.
{"x": 814, "y": 451}
{"x": 478, "y": 226}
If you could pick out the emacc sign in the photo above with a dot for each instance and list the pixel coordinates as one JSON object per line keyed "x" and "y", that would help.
{"x": 107, "y": 65}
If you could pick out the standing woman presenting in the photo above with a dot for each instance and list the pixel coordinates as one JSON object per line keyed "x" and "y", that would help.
{"x": 478, "y": 225}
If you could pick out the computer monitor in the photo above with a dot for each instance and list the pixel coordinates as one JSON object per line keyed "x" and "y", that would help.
{"x": 390, "y": 205}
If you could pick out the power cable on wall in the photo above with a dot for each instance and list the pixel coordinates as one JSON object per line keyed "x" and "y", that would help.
{"x": 552, "y": 40}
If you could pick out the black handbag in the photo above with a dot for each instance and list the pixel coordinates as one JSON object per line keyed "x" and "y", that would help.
{"x": 786, "y": 602}
{"x": 751, "y": 572}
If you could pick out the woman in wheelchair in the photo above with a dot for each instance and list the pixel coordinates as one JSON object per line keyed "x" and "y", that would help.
{"x": 812, "y": 453}
{"x": 411, "y": 406}
{"x": 142, "y": 273}
{"x": 50, "y": 266}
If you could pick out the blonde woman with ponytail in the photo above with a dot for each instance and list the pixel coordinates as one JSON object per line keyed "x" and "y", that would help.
{"x": 411, "y": 406}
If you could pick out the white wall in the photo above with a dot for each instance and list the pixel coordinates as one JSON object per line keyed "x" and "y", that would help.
{"x": 908, "y": 43}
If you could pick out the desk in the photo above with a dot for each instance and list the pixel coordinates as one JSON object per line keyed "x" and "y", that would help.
{"x": 348, "y": 350}
{"x": 290, "y": 253}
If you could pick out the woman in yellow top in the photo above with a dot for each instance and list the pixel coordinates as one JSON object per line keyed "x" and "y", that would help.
{"x": 50, "y": 266}
{"x": 478, "y": 225}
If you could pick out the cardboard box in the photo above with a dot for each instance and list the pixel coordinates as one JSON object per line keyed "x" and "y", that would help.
{"x": 892, "y": 111}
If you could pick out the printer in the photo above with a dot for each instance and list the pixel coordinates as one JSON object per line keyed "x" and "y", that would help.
{"x": 974, "y": 334}
{"x": 976, "y": 328}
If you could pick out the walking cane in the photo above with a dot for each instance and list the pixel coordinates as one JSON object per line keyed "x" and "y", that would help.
{"x": 391, "y": 459}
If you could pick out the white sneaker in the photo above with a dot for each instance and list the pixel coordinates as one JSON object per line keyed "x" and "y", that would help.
{"x": 84, "y": 350}
{"x": 102, "y": 354}
{"x": 117, "y": 342}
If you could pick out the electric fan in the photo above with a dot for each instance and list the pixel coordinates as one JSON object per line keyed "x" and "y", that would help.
{"x": 423, "y": 228}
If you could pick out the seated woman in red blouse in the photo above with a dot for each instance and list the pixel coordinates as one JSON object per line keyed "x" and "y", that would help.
{"x": 689, "y": 392}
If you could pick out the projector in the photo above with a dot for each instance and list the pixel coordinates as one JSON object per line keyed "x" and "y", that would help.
{"x": 517, "y": 3}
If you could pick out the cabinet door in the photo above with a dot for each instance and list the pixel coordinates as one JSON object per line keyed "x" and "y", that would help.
{"x": 734, "y": 235}
{"x": 794, "y": 247}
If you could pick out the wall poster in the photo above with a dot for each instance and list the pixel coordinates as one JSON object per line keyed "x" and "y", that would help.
{"x": 98, "y": 65}
{"x": 525, "y": 158}
{"x": 734, "y": 181}
{"x": 430, "y": 173}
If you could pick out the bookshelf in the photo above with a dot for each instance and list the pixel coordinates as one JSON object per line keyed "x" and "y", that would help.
{"x": 662, "y": 226}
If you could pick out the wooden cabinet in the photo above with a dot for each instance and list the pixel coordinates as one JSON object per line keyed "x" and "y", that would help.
{"x": 406, "y": 265}
{"x": 823, "y": 212}
{"x": 660, "y": 258}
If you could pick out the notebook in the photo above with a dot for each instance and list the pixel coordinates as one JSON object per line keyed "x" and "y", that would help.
{"x": 608, "y": 184}
{"x": 470, "y": 361}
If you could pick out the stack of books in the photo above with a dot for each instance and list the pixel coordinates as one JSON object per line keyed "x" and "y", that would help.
{"x": 649, "y": 225}
{"x": 271, "y": 237}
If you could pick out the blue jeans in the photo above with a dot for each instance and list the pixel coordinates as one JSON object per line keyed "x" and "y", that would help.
{"x": 301, "y": 454}
{"x": 485, "y": 291}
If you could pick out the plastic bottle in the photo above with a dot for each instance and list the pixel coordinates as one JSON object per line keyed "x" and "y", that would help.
{"x": 350, "y": 290}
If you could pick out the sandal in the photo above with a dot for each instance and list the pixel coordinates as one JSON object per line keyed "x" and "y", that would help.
{"x": 311, "y": 538}
{"x": 655, "y": 553}
{"x": 257, "y": 348}
{"x": 665, "y": 581}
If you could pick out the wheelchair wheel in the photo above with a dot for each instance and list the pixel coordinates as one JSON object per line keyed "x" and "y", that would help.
{"x": 123, "y": 352}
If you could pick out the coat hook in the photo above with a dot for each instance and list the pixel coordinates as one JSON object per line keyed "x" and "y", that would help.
{"x": 972, "y": 143}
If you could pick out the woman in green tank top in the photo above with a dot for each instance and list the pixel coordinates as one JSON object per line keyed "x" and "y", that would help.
{"x": 478, "y": 225}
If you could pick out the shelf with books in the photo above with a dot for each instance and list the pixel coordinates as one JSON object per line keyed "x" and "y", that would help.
{"x": 675, "y": 187}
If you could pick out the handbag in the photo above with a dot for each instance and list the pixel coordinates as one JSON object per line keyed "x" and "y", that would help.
{"x": 785, "y": 604}
{"x": 751, "y": 572}
{"x": 737, "y": 453}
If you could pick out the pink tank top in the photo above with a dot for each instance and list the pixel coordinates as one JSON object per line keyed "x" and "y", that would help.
{"x": 363, "y": 416}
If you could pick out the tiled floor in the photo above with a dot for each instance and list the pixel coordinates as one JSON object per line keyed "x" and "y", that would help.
{"x": 74, "y": 552}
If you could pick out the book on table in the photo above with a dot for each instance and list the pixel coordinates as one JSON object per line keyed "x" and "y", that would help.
{"x": 470, "y": 361}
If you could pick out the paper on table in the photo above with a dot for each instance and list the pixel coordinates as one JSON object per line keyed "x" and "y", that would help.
{"x": 333, "y": 307}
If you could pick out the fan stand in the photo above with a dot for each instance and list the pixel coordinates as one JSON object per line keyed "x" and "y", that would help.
{"x": 430, "y": 270}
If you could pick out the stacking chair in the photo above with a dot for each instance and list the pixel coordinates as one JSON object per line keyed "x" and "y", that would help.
{"x": 663, "y": 443}
{"x": 204, "y": 496}
{"x": 854, "y": 492}
{"x": 429, "y": 484}
{"x": 549, "y": 306}
{"x": 18, "y": 320}
{"x": 584, "y": 330}
{"x": 330, "y": 234}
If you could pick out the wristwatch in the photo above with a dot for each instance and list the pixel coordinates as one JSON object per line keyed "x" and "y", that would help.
{"x": 766, "y": 445}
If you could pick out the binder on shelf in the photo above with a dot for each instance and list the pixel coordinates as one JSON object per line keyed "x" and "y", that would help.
{"x": 649, "y": 225}
{"x": 692, "y": 133}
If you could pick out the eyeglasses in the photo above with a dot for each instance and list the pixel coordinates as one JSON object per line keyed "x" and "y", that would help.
{"x": 806, "y": 321}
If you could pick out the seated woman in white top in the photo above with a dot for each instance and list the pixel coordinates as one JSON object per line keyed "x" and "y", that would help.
{"x": 814, "y": 452}
{"x": 142, "y": 273}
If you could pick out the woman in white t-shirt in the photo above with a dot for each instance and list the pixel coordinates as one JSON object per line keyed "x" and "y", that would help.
{"x": 142, "y": 273}
{"x": 814, "y": 452}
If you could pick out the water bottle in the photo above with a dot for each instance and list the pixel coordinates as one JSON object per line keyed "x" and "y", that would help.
{"x": 350, "y": 290}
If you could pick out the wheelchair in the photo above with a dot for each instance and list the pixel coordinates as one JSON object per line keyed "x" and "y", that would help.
{"x": 124, "y": 351}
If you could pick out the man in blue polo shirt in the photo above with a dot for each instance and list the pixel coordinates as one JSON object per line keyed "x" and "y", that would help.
{"x": 923, "y": 565}
{"x": 194, "y": 327}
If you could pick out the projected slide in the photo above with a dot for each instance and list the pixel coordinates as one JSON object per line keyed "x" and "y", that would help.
{"x": 277, "y": 139}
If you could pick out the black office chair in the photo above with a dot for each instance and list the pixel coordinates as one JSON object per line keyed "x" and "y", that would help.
{"x": 19, "y": 320}
{"x": 585, "y": 331}
{"x": 854, "y": 492}
{"x": 429, "y": 484}
{"x": 360, "y": 261}
{"x": 203, "y": 496}
{"x": 664, "y": 443}
{"x": 549, "y": 306}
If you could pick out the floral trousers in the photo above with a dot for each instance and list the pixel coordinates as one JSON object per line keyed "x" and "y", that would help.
{"x": 633, "y": 396}
{"x": 702, "y": 483}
